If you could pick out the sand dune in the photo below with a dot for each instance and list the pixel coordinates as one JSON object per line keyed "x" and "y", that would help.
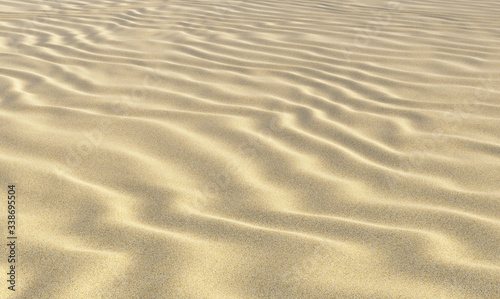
{"x": 252, "y": 149}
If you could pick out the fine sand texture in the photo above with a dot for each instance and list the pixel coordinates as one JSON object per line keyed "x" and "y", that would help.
{"x": 251, "y": 148}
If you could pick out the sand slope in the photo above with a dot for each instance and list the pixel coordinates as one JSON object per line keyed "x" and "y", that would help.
{"x": 252, "y": 149}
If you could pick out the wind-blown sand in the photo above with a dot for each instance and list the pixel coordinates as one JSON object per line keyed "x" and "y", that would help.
{"x": 251, "y": 149}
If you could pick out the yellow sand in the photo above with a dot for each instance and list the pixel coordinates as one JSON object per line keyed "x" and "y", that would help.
{"x": 251, "y": 149}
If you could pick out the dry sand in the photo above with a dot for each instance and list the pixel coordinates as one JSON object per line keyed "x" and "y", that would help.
{"x": 251, "y": 149}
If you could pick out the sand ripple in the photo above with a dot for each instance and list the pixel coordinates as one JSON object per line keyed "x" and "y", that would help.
{"x": 253, "y": 149}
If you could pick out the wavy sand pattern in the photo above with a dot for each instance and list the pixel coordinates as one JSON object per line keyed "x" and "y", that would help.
{"x": 252, "y": 149}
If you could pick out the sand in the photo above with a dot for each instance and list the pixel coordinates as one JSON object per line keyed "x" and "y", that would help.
{"x": 251, "y": 149}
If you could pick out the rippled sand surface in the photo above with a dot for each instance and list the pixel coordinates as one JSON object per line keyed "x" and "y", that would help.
{"x": 252, "y": 149}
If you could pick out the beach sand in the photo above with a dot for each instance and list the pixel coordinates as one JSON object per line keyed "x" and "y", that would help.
{"x": 251, "y": 149}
